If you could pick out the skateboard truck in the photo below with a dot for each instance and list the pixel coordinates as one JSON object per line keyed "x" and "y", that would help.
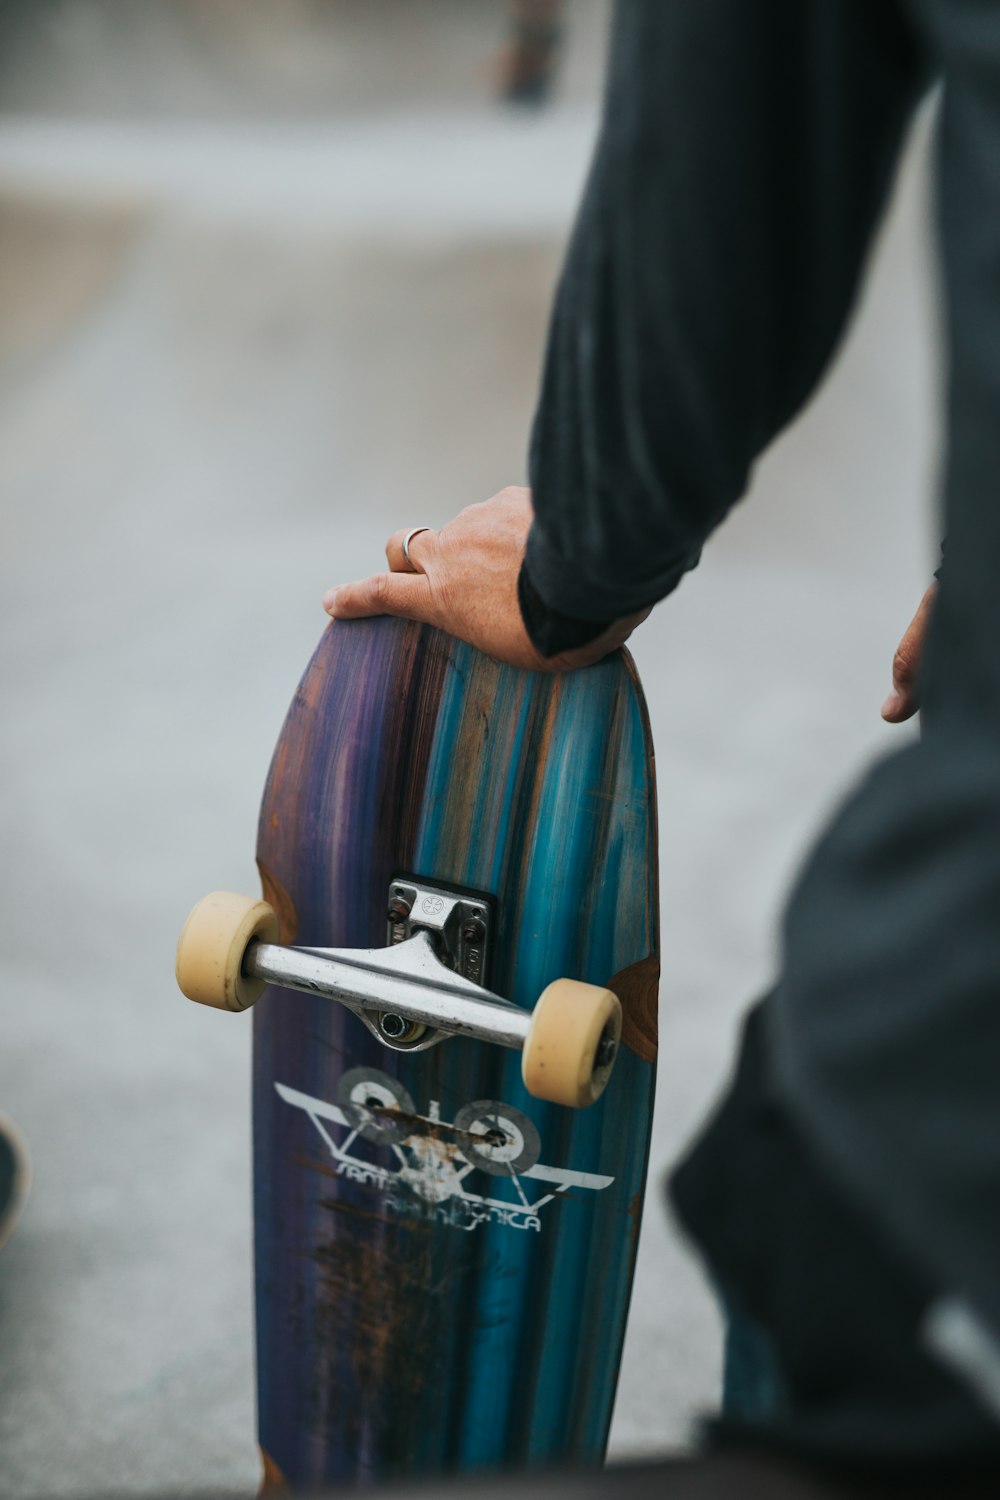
{"x": 413, "y": 993}
{"x": 460, "y": 922}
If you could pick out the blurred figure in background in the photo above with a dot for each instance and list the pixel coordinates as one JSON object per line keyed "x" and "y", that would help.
{"x": 529, "y": 61}
{"x": 15, "y": 1177}
{"x": 846, "y": 1197}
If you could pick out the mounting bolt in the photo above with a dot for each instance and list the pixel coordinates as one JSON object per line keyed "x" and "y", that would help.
{"x": 399, "y": 908}
{"x": 474, "y": 930}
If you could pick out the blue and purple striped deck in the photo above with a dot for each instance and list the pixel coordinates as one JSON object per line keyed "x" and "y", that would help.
{"x": 416, "y": 1316}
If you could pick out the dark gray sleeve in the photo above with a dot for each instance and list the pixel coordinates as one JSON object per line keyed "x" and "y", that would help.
{"x": 745, "y": 153}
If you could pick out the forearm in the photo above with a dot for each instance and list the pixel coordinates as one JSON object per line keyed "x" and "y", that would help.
{"x": 743, "y": 160}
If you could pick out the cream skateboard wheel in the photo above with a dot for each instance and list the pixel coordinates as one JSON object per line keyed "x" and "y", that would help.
{"x": 571, "y": 1046}
{"x": 212, "y": 944}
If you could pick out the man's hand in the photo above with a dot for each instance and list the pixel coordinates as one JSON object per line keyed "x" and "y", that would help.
{"x": 464, "y": 580}
{"x": 903, "y": 702}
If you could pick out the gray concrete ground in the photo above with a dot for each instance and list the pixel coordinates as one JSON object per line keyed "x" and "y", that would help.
{"x": 237, "y": 354}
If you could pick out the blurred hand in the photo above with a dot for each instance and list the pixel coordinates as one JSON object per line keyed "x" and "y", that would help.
{"x": 903, "y": 702}
{"x": 464, "y": 581}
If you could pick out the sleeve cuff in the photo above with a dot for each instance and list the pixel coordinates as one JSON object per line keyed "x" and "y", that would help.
{"x": 577, "y": 595}
{"x": 551, "y": 632}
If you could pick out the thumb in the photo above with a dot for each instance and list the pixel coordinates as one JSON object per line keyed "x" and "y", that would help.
{"x": 904, "y": 700}
{"x": 901, "y": 703}
{"x": 407, "y": 595}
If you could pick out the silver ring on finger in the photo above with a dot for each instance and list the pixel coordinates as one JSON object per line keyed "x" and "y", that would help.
{"x": 408, "y": 538}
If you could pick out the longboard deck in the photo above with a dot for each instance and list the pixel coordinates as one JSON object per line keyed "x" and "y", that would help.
{"x": 418, "y": 1311}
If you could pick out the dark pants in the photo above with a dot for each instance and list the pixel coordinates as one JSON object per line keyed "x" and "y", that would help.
{"x": 824, "y": 1356}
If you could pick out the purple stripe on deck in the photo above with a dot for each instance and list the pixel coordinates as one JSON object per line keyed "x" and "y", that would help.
{"x": 346, "y": 740}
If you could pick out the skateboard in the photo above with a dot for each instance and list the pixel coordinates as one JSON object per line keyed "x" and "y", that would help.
{"x": 454, "y": 977}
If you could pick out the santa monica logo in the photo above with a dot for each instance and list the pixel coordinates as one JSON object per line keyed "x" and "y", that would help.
{"x": 426, "y": 1167}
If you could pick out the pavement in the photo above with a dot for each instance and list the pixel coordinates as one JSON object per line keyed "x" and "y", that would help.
{"x": 241, "y": 344}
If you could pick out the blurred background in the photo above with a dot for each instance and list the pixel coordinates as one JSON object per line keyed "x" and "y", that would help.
{"x": 274, "y": 280}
